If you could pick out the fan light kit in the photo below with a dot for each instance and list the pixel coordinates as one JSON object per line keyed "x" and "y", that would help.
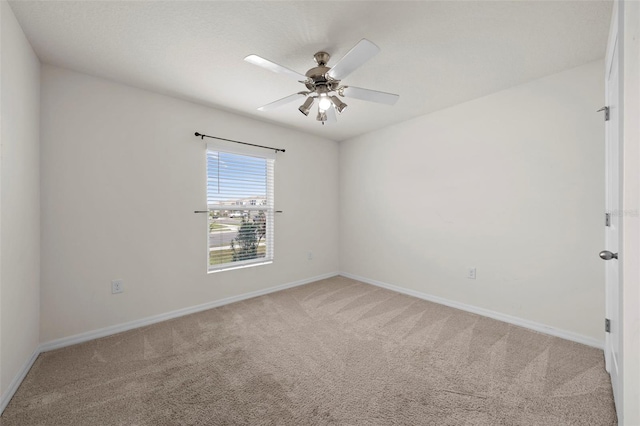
{"x": 324, "y": 83}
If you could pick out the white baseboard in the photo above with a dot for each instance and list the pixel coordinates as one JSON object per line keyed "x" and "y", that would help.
{"x": 563, "y": 334}
{"x": 17, "y": 380}
{"x": 119, "y": 328}
{"x": 107, "y": 331}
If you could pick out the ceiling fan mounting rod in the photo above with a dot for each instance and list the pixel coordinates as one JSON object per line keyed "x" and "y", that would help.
{"x": 321, "y": 58}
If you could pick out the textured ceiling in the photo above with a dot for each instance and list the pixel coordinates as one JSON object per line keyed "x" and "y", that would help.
{"x": 433, "y": 54}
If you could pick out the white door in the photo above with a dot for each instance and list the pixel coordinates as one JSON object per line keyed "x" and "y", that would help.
{"x": 613, "y": 343}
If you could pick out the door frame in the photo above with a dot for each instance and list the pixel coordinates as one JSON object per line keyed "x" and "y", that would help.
{"x": 613, "y": 308}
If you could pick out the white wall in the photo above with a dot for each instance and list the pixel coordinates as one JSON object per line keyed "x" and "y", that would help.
{"x": 19, "y": 201}
{"x": 122, "y": 173}
{"x": 512, "y": 184}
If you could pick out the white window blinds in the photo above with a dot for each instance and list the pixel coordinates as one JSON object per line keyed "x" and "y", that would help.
{"x": 241, "y": 208}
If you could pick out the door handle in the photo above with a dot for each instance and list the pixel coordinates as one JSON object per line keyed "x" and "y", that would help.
{"x": 607, "y": 255}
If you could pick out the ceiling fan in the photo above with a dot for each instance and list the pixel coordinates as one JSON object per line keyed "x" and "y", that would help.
{"x": 324, "y": 83}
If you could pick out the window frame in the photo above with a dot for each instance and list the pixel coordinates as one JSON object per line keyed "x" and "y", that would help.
{"x": 268, "y": 207}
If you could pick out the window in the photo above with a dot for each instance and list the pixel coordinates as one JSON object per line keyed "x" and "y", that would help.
{"x": 241, "y": 209}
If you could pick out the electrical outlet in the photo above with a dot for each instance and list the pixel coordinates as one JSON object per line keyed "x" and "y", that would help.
{"x": 117, "y": 286}
{"x": 471, "y": 273}
{"x": 310, "y": 255}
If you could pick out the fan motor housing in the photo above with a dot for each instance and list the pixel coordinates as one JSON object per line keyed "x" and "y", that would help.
{"x": 317, "y": 77}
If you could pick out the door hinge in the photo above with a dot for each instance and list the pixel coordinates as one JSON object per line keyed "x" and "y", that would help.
{"x": 607, "y": 219}
{"x": 607, "y": 325}
{"x": 606, "y": 112}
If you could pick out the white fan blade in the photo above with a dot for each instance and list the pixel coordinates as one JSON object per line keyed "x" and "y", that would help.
{"x": 358, "y": 55}
{"x": 272, "y": 66}
{"x": 370, "y": 95}
{"x": 281, "y": 102}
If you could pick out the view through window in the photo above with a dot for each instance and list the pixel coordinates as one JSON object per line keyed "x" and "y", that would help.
{"x": 240, "y": 202}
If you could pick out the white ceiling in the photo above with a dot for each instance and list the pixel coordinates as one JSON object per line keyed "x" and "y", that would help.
{"x": 433, "y": 54}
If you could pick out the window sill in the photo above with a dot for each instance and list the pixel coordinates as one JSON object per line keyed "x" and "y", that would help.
{"x": 231, "y": 268}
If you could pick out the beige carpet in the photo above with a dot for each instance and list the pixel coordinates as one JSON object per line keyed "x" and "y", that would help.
{"x": 334, "y": 352}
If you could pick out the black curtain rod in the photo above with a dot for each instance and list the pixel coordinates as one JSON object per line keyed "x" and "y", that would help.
{"x": 243, "y": 143}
